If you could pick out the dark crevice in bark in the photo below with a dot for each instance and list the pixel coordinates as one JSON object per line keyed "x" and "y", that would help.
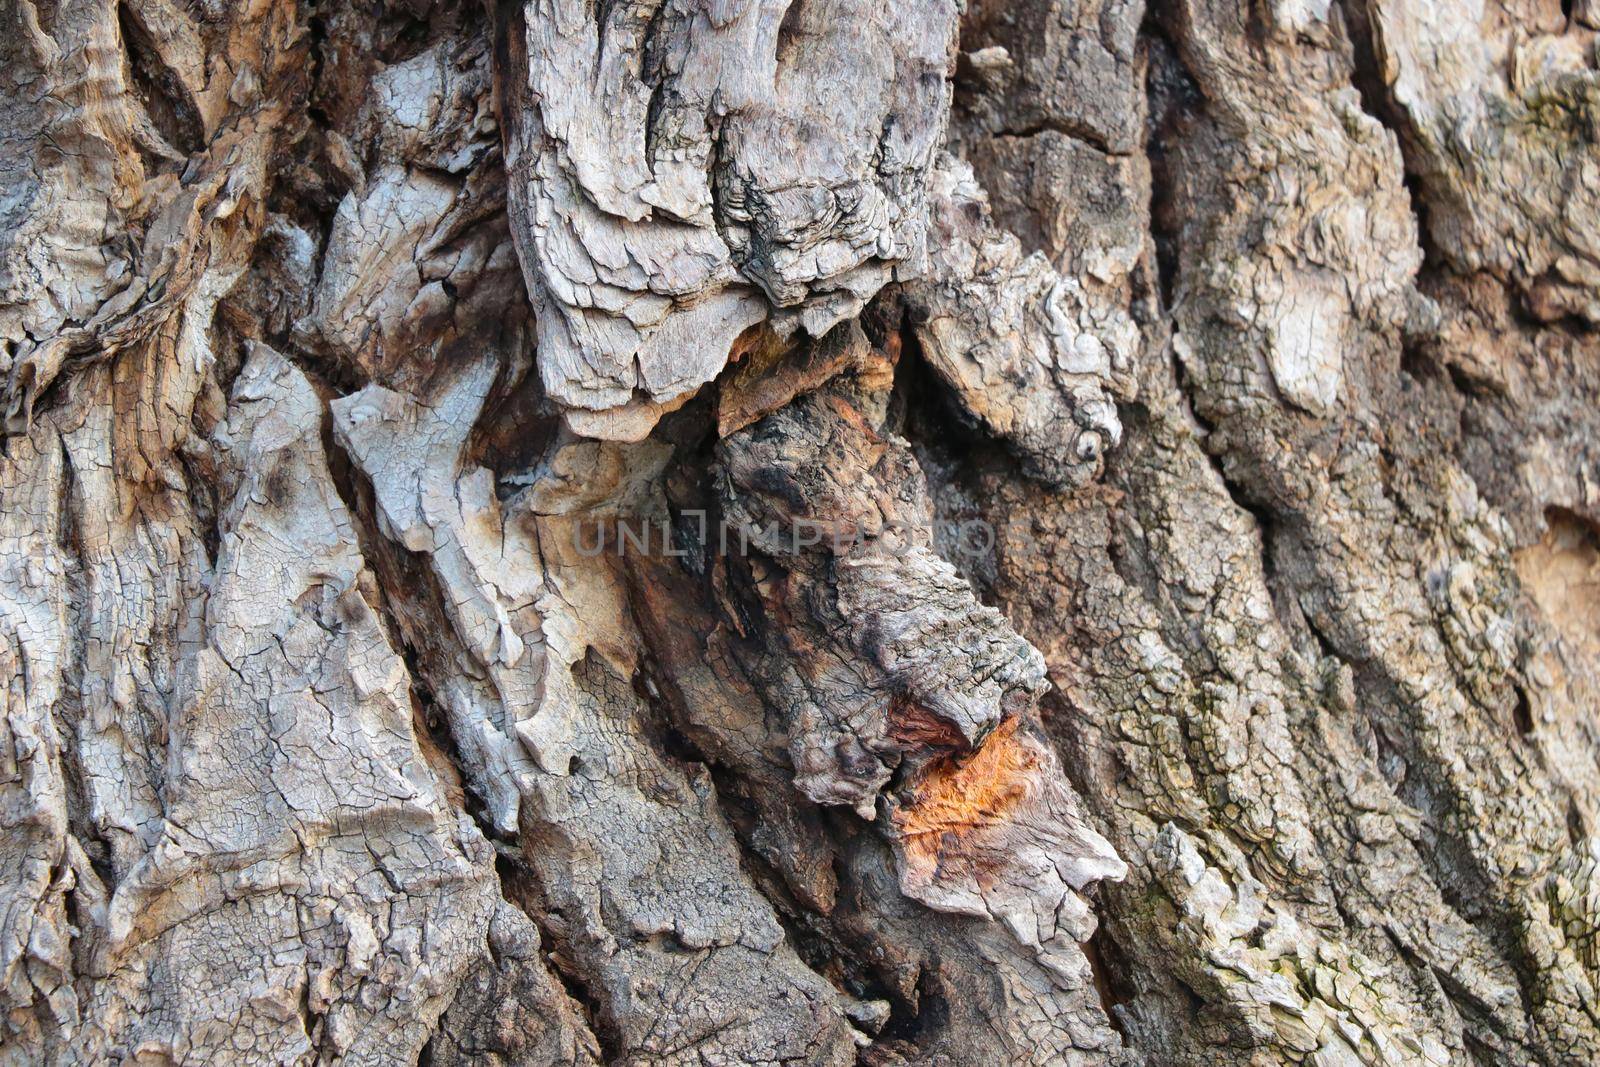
{"x": 164, "y": 97}
{"x": 1378, "y": 102}
{"x": 1535, "y": 321}
{"x": 1174, "y": 103}
{"x": 659, "y": 727}
{"x": 24, "y": 411}
{"x": 922, "y": 407}
{"x": 68, "y": 713}
{"x": 1265, "y": 518}
{"x": 518, "y": 887}
{"x": 1575, "y": 831}
{"x": 1417, "y": 363}
{"x": 312, "y": 186}
{"x": 954, "y": 455}
{"x": 670, "y": 722}
{"x": 403, "y": 34}
{"x": 789, "y": 37}
{"x": 668, "y": 728}
{"x": 812, "y": 935}
{"x": 1111, "y": 970}
{"x": 317, "y": 43}
{"x": 202, "y": 498}
{"x": 514, "y": 432}
{"x": 1522, "y": 714}
{"x": 919, "y": 1023}
{"x": 46, "y": 11}
{"x": 652, "y": 64}
{"x": 1588, "y": 528}
{"x": 1480, "y": 1052}
{"x": 1478, "y": 1028}
{"x": 330, "y": 377}
{"x": 1077, "y": 131}
{"x": 67, "y": 717}
{"x": 407, "y": 586}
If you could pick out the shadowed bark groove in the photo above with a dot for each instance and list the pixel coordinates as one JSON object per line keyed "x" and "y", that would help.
{"x": 800, "y": 532}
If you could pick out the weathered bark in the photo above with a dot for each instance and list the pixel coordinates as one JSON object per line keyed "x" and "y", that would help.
{"x": 800, "y": 531}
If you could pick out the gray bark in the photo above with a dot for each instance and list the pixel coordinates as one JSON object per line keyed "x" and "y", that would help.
{"x": 1120, "y": 484}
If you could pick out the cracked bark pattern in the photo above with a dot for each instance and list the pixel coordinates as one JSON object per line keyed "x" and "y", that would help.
{"x": 800, "y": 532}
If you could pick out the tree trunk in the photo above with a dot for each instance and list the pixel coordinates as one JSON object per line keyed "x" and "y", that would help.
{"x": 803, "y": 531}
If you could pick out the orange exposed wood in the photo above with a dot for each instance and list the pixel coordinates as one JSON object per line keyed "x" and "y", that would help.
{"x": 956, "y": 797}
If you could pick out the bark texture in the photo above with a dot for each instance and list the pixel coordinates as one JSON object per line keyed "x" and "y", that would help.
{"x": 880, "y": 532}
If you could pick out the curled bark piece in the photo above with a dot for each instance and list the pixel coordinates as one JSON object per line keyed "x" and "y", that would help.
{"x": 1498, "y": 109}
{"x": 107, "y": 238}
{"x": 891, "y": 668}
{"x": 1026, "y": 351}
{"x": 419, "y": 254}
{"x": 678, "y": 172}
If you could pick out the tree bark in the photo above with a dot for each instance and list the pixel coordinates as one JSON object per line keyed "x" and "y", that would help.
{"x": 800, "y": 532}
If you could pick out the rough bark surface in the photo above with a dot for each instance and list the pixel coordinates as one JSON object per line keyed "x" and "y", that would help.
{"x": 829, "y": 532}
